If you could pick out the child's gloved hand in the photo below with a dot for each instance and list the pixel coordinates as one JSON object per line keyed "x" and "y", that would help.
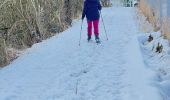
{"x": 82, "y": 17}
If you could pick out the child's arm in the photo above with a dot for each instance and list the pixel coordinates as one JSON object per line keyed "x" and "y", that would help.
{"x": 99, "y": 6}
{"x": 84, "y": 10}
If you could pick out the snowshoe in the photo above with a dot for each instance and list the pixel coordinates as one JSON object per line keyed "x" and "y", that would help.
{"x": 97, "y": 40}
{"x": 89, "y": 38}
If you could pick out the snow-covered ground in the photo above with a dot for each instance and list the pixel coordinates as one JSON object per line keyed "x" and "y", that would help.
{"x": 159, "y": 62}
{"x": 59, "y": 69}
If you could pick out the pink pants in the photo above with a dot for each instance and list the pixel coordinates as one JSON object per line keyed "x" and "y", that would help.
{"x": 94, "y": 24}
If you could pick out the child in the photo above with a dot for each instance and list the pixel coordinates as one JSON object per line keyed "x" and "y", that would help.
{"x": 91, "y": 11}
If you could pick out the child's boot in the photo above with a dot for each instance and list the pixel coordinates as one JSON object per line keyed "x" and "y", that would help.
{"x": 89, "y": 38}
{"x": 97, "y": 39}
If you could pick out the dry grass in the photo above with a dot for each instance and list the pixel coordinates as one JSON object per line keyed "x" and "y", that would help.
{"x": 151, "y": 14}
{"x": 142, "y": 22}
{"x": 154, "y": 19}
{"x": 165, "y": 28}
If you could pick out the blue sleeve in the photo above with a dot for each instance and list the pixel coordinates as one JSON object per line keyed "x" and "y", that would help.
{"x": 99, "y": 6}
{"x": 84, "y": 10}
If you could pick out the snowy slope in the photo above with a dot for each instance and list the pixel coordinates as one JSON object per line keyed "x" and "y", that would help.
{"x": 58, "y": 69}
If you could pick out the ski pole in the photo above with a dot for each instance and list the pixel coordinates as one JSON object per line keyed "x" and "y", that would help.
{"x": 104, "y": 26}
{"x": 81, "y": 32}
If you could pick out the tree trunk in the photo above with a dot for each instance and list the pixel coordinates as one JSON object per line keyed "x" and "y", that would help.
{"x": 3, "y": 54}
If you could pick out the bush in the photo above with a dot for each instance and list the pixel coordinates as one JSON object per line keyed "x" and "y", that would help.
{"x": 106, "y": 3}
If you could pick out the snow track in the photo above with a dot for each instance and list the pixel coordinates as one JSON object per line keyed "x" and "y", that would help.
{"x": 58, "y": 69}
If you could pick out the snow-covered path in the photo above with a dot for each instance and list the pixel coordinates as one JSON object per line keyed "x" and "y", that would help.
{"x": 58, "y": 69}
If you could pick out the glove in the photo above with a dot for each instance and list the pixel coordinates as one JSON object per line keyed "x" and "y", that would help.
{"x": 83, "y": 15}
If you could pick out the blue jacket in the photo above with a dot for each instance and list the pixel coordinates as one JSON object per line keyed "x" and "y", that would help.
{"x": 91, "y": 10}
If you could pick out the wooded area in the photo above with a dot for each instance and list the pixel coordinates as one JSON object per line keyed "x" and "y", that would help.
{"x": 25, "y": 22}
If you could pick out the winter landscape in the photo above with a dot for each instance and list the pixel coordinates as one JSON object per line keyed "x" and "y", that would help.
{"x": 132, "y": 62}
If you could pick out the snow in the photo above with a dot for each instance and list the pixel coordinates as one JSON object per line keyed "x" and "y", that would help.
{"x": 139, "y": 76}
{"x": 159, "y": 62}
{"x": 60, "y": 69}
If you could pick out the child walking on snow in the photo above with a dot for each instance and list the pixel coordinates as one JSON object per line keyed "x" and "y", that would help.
{"x": 91, "y": 11}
